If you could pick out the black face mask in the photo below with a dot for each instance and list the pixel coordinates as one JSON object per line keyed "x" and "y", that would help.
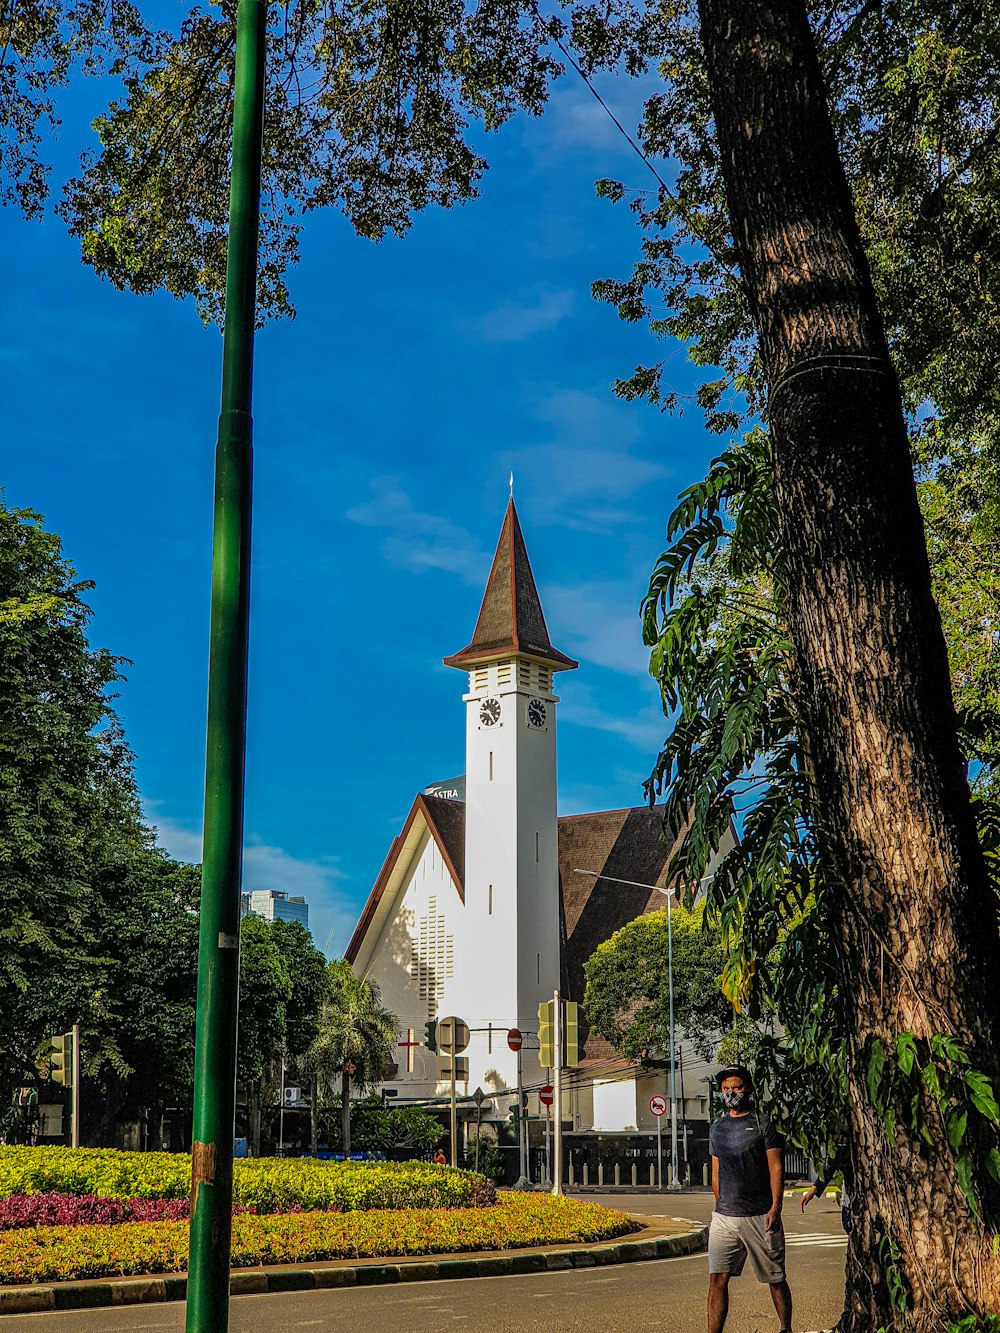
{"x": 735, "y": 1101}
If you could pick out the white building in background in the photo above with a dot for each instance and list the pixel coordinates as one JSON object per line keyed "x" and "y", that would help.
{"x": 478, "y": 911}
{"x": 273, "y": 905}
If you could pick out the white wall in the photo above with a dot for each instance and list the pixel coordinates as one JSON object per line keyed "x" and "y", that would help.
{"x": 614, "y": 1105}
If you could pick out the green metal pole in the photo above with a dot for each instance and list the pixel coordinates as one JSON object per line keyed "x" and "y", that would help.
{"x": 218, "y": 951}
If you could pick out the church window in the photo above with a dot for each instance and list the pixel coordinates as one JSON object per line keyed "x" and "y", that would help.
{"x": 524, "y": 674}
{"x": 491, "y": 765}
{"x": 544, "y": 678}
{"x": 480, "y": 679}
{"x": 504, "y": 673}
{"x": 536, "y": 846}
{"x": 538, "y": 969}
{"x": 490, "y": 913}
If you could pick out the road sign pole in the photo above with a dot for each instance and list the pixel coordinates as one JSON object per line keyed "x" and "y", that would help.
{"x": 76, "y": 1085}
{"x": 659, "y": 1152}
{"x": 281, "y": 1111}
{"x": 675, "y": 1183}
{"x": 454, "y": 1114}
{"x": 522, "y": 1127}
{"x": 219, "y": 936}
{"x": 557, "y": 1054}
{"x": 548, "y": 1143}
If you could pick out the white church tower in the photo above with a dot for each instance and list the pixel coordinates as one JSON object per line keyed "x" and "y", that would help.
{"x": 509, "y": 958}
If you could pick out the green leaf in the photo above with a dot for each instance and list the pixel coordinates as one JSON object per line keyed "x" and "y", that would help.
{"x": 906, "y": 1051}
{"x": 876, "y": 1064}
{"x": 956, "y": 1128}
{"x": 981, "y": 1092}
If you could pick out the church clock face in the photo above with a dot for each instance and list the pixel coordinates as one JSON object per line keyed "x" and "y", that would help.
{"x": 489, "y": 712}
{"x": 536, "y": 713}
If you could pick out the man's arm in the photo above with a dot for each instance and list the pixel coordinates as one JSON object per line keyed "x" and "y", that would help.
{"x": 715, "y": 1178}
{"x": 776, "y": 1170}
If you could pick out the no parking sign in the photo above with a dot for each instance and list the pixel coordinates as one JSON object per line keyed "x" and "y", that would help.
{"x": 658, "y": 1105}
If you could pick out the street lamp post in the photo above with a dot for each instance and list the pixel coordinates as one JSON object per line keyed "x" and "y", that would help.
{"x": 675, "y": 1182}
{"x": 222, "y": 862}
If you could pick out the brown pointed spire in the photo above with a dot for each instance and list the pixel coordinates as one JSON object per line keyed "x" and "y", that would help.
{"x": 510, "y": 618}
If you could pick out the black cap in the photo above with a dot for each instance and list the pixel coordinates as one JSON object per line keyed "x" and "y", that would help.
{"x": 735, "y": 1071}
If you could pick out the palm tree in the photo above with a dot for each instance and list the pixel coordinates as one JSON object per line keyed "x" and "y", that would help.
{"x": 356, "y": 1038}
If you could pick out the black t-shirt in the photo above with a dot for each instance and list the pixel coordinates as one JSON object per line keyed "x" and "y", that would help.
{"x": 741, "y": 1142}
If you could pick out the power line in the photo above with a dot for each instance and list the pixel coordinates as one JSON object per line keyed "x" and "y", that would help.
{"x": 549, "y": 27}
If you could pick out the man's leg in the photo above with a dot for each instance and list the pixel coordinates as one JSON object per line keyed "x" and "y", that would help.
{"x": 718, "y": 1301}
{"x": 782, "y": 1297}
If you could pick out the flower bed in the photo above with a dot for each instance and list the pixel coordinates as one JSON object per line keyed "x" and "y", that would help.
{"x": 267, "y": 1184}
{"x": 46, "y": 1254}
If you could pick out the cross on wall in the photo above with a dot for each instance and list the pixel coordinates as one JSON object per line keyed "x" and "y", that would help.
{"x": 409, "y": 1043}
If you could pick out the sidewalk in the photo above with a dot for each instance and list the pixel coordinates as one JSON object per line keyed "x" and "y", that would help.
{"x": 660, "y": 1238}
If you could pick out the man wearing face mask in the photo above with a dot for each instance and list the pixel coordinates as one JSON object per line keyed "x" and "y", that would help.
{"x": 748, "y": 1181}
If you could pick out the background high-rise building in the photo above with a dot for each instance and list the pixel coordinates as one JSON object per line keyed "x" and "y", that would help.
{"x": 273, "y": 905}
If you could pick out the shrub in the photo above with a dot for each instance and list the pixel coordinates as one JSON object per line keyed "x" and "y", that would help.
{"x": 267, "y": 1184}
{"x": 75, "y": 1210}
{"x": 48, "y": 1254}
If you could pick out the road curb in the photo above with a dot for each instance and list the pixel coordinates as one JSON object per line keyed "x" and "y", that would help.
{"x": 297, "y": 1277}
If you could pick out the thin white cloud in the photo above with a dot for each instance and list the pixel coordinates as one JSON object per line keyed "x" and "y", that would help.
{"x": 643, "y": 727}
{"x": 513, "y": 321}
{"x": 417, "y": 540}
{"x": 600, "y": 625}
{"x": 332, "y": 913}
{"x": 590, "y": 460}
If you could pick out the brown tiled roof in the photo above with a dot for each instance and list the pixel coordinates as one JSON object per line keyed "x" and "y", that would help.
{"x": 447, "y": 820}
{"x": 510, "y": 618}
{"x": 447, "y": 828}
{"x": 618, "y": 845}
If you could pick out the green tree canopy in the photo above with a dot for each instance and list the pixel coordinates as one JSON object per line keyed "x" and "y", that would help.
{"x": 68, "y": 810}
{"x": 627, "y": 997}
{"x": 306, "y": 968}
{"x": 138, "y": 1036}
{"x": 356, "y": 1038}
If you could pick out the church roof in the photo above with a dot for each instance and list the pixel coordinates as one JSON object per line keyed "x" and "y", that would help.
{"x": 510, "y": 618}
{"x": 445, "y": 821}
{"x": 616, "y": 844}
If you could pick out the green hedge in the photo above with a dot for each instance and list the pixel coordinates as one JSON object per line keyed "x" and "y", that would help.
{"x": 46, "y": 1254}
{"x": 265, "y": 1183}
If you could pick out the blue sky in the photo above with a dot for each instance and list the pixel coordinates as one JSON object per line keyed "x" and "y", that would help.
{"x": 388, "y": 416}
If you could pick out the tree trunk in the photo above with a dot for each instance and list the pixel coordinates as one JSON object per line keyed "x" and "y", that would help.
{"x": 313, "y": 1116}
{"x": 913, "y": 914}
{"x": 345, "y": 1112}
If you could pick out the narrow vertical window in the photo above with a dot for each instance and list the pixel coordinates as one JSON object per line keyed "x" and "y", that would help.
{"x": 536, "y": 846}
{"x": 491, "y": 765}
{"x": 538, "y": 969}
{"x": 491, "y": 901}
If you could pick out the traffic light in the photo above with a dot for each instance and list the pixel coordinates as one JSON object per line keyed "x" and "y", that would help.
{"x": 571, "y": 1032}
{"x": 430, "y": 1034}
{"x": 546, "y": 1034}
{"x": 61, "y": 1059}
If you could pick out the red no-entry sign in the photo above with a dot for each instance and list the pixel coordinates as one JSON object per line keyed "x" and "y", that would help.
{"x": 545, "y": 1095}
{"x": 515, "y": 1039}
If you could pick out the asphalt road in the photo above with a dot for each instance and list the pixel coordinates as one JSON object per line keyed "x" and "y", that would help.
{"x": 667, "y": 1295}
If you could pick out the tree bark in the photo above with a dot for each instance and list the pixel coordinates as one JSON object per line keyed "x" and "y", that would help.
{"x": 913, "y": 913}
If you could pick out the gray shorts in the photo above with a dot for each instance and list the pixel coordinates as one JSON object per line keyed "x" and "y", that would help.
{"x": 731, "y": 1239}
